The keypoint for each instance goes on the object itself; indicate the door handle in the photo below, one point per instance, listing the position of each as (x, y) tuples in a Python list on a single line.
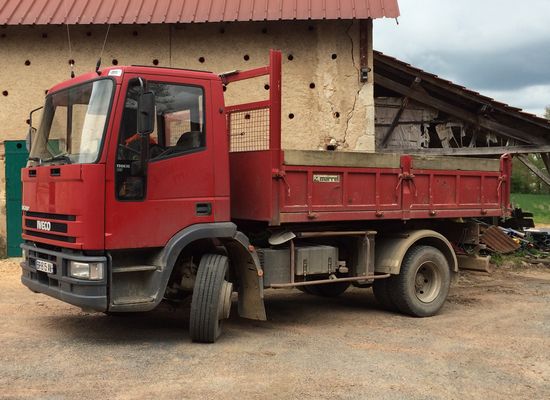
[(202, 209)]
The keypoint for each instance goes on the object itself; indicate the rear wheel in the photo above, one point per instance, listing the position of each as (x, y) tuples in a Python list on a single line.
[(422, 285), (327, 290), (211, 302)]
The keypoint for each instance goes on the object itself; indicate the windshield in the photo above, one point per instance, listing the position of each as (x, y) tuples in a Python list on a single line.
[(73, 123)]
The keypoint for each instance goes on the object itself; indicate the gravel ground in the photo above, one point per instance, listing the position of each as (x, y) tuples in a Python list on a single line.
[(491, 341)]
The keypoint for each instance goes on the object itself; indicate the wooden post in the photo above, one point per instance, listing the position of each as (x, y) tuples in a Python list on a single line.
[(365, 50)]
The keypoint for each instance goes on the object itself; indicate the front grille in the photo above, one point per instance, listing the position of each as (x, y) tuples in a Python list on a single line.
[(67, 239), (54, 226), (60, 217)]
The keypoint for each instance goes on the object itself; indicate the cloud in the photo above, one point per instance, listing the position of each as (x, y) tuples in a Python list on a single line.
[(533, 99), (511, 68), (497, 47)]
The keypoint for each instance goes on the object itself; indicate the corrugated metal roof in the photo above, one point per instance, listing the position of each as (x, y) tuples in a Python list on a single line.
[(498, 241), (44, 12)]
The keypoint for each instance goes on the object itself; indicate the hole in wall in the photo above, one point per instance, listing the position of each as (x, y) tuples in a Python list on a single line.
[(28, 121), (88, 33), (312, 85), (5, 93), (18, 145), (27, 62), (336, 114), (71, 62), (246, 57), (247, 116), (44, 35), (46, 91), (334, 56), (114, 61), (290, 57), (266, 86), (202, 59), (264, 30), (224, 88), (155, 62), (310, 28), (291, 116), (222, 30), (331, 147), (134, 33)]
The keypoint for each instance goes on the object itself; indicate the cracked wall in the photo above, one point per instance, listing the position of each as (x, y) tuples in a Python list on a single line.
[(324, 103)]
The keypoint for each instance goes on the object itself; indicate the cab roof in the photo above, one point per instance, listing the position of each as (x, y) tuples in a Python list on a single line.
[(117, 73)]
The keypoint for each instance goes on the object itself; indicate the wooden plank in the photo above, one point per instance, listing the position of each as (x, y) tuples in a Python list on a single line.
[(404, 104), (458, 112), (395, 121), (341, 159), (474, 263), (474, 151), (455, 163)]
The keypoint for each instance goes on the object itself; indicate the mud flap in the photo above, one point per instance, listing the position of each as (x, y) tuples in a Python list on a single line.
[(246, 265)]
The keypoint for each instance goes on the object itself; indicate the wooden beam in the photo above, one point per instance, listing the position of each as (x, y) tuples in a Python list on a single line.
[(365, 47), (474, 151), (404, 103), (543, 176), (474, 263), (455, 111), (546, 160)]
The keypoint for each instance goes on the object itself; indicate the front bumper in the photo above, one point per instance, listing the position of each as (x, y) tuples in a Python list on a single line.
[(79, 292)]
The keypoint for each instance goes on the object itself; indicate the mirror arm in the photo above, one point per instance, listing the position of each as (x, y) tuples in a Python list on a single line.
[(144, 158)]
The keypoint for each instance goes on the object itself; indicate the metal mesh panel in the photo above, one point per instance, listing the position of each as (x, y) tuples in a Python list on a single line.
[(249, 130)]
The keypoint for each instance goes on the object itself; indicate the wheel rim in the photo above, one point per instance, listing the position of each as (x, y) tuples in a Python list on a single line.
[(427, 282)]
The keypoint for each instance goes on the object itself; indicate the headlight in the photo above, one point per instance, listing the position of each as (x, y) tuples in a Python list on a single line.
[(90, 271)]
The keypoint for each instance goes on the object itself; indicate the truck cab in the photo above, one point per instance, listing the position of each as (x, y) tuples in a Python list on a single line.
[(97, 190)]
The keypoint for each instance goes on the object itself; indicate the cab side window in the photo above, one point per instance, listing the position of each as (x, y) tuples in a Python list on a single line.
[(179, 130)]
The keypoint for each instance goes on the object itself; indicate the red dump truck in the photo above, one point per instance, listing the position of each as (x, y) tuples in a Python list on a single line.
[(143, 185)]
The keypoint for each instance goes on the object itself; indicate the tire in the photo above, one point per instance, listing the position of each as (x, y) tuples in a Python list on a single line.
[(380, 288), (327, 290), (211, 300), (422, 286)]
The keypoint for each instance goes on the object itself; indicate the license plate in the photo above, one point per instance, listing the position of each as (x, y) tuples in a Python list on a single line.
[(44, 266)]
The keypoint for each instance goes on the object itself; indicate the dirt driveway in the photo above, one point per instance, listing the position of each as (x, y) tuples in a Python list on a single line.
[(491, 341)]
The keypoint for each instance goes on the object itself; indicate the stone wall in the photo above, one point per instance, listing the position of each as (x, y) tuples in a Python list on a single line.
[(323, 100)]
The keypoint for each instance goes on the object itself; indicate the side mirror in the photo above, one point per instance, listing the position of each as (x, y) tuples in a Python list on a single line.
[(146, 113), (28, 139)]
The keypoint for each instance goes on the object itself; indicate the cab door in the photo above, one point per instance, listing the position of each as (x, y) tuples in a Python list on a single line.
[(177, 188)]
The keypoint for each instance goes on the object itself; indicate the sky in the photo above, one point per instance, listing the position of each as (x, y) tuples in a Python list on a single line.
[(500, 48)]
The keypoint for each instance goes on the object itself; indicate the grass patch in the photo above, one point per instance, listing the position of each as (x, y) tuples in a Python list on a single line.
[(538, 204)]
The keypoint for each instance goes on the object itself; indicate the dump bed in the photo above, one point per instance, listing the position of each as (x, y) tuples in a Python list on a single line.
[(344, 186), (277, 187)]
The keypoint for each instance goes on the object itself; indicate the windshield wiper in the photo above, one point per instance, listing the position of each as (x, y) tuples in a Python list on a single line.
[(60, 157)]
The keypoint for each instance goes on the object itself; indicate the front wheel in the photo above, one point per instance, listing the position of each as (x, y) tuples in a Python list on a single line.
[(423, 283), (211, 302)]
